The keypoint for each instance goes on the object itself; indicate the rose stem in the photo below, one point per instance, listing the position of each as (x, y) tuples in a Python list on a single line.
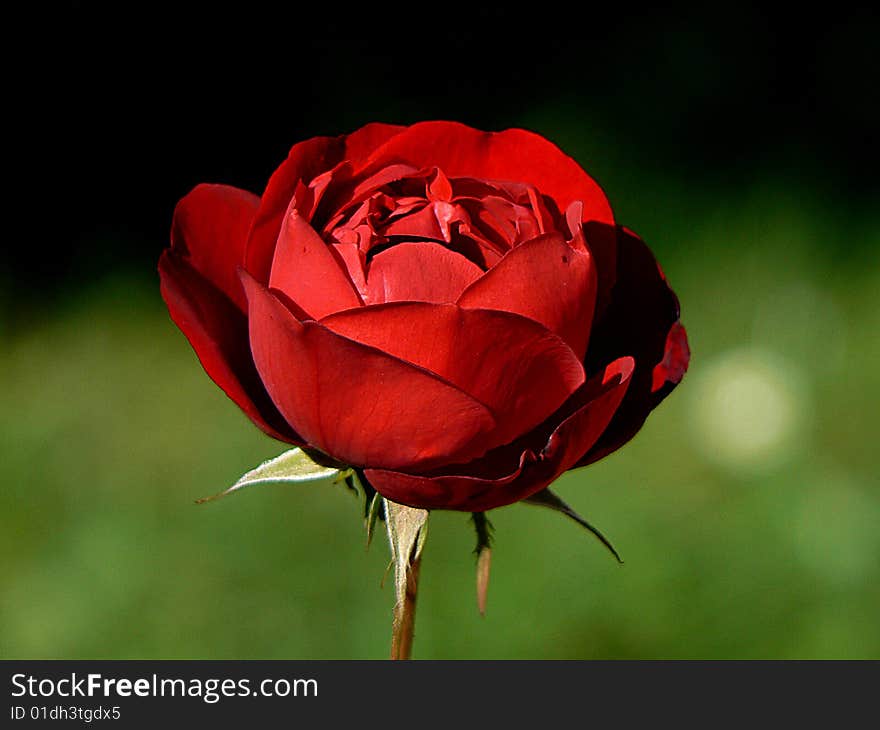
[(404, 623)]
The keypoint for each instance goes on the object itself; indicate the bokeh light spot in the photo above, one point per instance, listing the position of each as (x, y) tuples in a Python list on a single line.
[(749, 410)]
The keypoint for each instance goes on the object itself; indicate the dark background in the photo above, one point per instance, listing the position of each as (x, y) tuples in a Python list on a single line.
[(134, 105), (741, 144)]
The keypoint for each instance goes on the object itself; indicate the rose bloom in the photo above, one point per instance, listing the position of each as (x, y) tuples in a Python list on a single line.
[(452, 312)]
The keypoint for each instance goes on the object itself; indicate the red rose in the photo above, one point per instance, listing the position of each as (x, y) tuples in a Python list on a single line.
[(452, 311)]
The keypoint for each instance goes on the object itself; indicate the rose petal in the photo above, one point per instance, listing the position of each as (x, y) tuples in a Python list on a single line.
[(307, 198), (365, 188), (439, 189), (217, 331), (502, 220), (306, 160), (544, 279), (512, 155), (423, 272), (601, 239), (357, 404), (360, 144), (433, 221), (306, 270), (676, 355), (594, 405), (642, 321), (522, 372), (354, 260), (210, 229)]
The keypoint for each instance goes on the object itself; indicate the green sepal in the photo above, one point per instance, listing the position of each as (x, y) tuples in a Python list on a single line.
[(546, 498), (483, 551), (291, 467), (407, 529), (373, 513), (368, 490)]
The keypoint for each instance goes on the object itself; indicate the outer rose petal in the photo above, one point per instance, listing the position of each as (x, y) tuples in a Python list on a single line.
[(306, 161), (420, 272), (360, 144), (210, 229), (357, 404), (544, 279), (305, 269), (642, 321), (513, 155), (522, 372), (601, 239), (676, 356), (596, 401), (217, 331)]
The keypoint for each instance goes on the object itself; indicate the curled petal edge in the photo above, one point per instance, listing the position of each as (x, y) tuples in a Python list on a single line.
[(590, 410)]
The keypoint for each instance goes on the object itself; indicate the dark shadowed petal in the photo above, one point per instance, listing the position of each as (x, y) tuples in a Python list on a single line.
[(676, 356), (522, 372), (601, 239), (307, 272), (434, 221), (359, 190), (501, 220), (594, 404), (642, 321), (210, 229), (306, 161), (217, 331), (421, 272), (357, 404), (515, 155), (544, 279)]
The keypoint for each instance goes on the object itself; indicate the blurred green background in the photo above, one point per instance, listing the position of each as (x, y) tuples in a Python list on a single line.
[(747, 510)]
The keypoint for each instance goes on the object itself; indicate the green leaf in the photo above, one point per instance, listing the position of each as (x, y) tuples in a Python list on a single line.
[(291, 467)]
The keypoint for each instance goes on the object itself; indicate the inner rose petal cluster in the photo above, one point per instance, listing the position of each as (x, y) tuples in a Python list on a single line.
[(451, 311)]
